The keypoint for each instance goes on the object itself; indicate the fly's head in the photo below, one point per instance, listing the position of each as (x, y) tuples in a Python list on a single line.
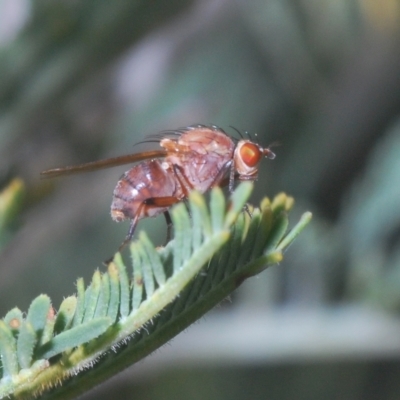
[(247, 157)]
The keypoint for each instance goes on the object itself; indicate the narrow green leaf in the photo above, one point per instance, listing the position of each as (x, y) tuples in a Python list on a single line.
[(65, 314), (261, 263), (104, 297), (193, 292), (137, 283), (263, 232), (37, 313), (26, 344), (278, 230), (207, 282), (113, 306), (231, 251), (279, 203), (80, 306), (88, 294), (148, 276), (75, 336), (182, 241), (187, 226), (250, 239), (236, 245), (10, 201), (166, 256), (222, 261), (179, 236), (106, 289), (217, 209), (48, 330), (153, 258), (197, 201), (197, 224), (228, 259), (8, 351), (291, 236), (92, 297), (282, 203), (238, 200), (13, 320), (124, 307)]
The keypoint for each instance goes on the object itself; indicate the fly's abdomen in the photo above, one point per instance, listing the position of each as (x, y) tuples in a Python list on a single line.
[(138, 187)]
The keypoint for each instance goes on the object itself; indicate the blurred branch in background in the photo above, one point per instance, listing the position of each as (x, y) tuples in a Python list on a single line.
[(84, 80)]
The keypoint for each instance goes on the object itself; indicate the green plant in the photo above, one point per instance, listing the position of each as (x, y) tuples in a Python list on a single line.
[(115, 321)]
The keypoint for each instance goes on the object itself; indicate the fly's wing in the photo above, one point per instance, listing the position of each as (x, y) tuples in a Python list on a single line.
[(174, 135), (102, 164)]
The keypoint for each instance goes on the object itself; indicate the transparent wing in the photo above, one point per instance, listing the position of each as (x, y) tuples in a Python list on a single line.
[(102, 164)]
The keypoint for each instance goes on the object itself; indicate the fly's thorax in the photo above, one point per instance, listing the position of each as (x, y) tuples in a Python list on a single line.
[(199, 156), (200, 141)]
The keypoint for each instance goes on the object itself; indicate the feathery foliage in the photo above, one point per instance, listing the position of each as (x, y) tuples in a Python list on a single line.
[(120, 317)]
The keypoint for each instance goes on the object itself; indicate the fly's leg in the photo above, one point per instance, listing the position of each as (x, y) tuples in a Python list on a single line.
[(246, 209), (150, 202), (131, 230), (222, 180), (186, 202), (167, 201), (168, 220), (129, 236), (186, 186), (231, 183), (231, 176)]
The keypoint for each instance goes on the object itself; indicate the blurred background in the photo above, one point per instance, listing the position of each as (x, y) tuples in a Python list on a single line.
[(85, 80)]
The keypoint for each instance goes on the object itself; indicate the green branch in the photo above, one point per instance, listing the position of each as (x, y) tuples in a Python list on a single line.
[(121, 317)]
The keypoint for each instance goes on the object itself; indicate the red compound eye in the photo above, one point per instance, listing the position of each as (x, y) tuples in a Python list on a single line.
[(250, 154)]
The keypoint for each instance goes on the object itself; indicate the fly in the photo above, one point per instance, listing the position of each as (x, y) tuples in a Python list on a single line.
[(197, 157)]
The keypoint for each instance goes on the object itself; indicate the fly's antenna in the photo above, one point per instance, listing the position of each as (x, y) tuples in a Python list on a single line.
[(275, 143), (268, 152)]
